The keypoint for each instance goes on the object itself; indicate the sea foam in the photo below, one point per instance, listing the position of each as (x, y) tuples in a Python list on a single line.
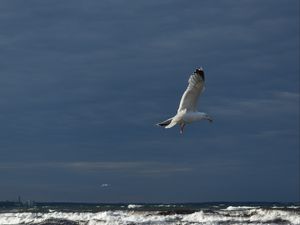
[(125, 217)]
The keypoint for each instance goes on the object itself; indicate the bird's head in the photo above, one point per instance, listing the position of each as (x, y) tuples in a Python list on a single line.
[(200, 72)]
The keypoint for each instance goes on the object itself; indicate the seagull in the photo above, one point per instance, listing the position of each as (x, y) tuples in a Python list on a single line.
[(187, 111)]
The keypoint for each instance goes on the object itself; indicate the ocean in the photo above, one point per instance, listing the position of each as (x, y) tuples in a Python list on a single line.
[(149, 214)]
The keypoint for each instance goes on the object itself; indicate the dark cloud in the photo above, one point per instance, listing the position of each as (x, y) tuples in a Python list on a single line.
[(85, 82)]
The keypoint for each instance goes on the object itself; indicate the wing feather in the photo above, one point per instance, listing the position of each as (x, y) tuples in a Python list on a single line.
[(190, 96)]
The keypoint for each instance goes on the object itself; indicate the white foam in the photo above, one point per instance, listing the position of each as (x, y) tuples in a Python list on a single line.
[(107, 217), (255, 216), (132, 206), (293, 207), (167, 206), (265, 215), (240, 207), (125, 217)]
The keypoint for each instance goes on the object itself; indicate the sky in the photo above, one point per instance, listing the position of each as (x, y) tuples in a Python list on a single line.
[(83, 83)]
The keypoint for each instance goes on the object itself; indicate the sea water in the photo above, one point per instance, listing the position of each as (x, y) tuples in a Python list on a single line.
[(150, 214)]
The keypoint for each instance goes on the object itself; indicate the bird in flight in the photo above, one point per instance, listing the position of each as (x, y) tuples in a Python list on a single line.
[(187, 111)]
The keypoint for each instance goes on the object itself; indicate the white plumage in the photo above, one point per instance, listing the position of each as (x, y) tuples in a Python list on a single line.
[(187, 110)]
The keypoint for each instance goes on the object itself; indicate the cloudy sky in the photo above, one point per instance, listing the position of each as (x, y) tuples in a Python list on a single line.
[(82, 84)]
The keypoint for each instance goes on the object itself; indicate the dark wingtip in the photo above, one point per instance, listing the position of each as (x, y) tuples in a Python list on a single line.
[(164, 123), (200, 72)]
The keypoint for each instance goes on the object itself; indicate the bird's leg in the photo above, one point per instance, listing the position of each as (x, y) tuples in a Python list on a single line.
[(182, 127)]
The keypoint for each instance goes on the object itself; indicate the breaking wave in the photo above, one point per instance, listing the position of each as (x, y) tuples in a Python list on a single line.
[(233, 215), (132, 206)]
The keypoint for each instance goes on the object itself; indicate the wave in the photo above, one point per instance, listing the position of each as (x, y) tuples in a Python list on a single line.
[(286, 207), (168, 206), (240, 207), (107, 217), (132, 206), (125, 217), (252, 216)]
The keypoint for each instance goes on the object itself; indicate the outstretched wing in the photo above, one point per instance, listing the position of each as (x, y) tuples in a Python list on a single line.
[(190, 96)]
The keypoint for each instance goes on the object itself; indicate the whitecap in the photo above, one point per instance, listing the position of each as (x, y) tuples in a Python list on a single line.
[(240, 207), (125, 217), (132, 206)]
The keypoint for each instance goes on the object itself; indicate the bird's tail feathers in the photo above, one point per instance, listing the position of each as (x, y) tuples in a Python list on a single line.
[(172, 124), (165, 123)]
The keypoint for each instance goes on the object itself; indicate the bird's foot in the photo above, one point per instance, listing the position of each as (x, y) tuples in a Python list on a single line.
[(181, 128)]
